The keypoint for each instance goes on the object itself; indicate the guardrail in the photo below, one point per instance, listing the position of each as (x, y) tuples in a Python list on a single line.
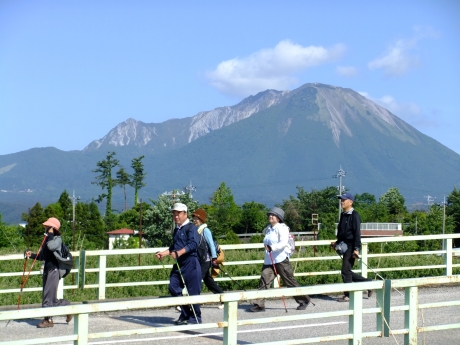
[(230, 323), (102, 269)]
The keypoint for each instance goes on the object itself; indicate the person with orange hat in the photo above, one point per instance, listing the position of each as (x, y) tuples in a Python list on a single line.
[(51, 274), (199, 219)]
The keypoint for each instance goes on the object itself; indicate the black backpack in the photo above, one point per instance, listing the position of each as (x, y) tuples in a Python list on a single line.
[(202, 250), (66, 260)]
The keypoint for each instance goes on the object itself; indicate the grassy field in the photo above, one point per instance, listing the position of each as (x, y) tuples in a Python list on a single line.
[(79, 295)]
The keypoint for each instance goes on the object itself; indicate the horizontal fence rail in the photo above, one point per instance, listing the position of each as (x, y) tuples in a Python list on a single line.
[(102, 270), (230, 322)]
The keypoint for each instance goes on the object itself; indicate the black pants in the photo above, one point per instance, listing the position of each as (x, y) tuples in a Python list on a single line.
[(348, 275), (191, 273), (284, 269), (207, 278)]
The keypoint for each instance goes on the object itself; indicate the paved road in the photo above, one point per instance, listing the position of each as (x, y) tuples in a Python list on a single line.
[(255, 333)]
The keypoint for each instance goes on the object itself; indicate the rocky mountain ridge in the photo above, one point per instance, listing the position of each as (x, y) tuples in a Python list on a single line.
[(333, 112)]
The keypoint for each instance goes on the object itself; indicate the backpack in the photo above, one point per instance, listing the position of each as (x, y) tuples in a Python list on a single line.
[(219, 252), (202, 250), (65, 260), (291, 244)]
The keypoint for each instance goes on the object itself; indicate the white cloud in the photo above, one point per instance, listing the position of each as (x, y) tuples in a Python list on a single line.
[(398, 60), (346, 71), (409, 112), (272, 68), (400, 56)]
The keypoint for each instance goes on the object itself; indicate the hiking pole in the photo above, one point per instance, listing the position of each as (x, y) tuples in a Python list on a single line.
[(28, 275), (22, 280), (232, 278), (276, 273), (378, 275), (183, 282)]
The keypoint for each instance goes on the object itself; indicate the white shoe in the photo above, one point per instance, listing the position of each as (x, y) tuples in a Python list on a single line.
[(220, 306), (178, 308)]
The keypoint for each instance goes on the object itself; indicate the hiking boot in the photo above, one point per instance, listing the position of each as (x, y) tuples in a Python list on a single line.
[(256, 309), (47, 322), (180, 322), (369, 293), (69, 318), (302, 306), (344, 299)]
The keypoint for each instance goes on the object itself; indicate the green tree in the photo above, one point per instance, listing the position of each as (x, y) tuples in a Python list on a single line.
[(223, 214), (453, 210), (393, 201), (123, 179), (105, 180), (299, 210), (253, 217), (138, 177), (66, 205), (34, 231), (10, 237), (90, 229), (157, 221)]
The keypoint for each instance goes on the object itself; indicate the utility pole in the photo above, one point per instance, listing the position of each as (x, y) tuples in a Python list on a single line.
[(73, 198), (190, 189), (341, 173)]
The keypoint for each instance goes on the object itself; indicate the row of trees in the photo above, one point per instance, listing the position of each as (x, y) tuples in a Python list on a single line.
[(226, 218)]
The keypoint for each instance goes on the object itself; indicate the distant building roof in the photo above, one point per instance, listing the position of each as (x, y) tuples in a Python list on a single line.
[(121, 232)]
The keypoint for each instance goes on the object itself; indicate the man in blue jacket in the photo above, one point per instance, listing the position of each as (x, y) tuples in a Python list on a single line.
[(187, 268), (349, 232)]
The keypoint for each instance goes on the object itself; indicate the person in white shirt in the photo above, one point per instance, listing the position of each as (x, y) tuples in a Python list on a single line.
[(277, 257)]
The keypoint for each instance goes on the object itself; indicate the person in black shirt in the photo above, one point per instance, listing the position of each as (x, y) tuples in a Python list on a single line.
[(349, 232), (51, 273)]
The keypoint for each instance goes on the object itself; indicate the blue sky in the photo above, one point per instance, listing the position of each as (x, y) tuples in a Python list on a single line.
[(70, 71)]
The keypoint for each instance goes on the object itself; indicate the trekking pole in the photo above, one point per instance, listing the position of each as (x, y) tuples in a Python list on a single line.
[(276, 273), (24, 281), (183, 282), (378, 275), (232, 278)]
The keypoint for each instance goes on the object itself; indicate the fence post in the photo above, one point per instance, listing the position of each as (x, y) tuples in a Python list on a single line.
[(380, 304), (231, 316), (82, 268), (386, 307), (60, 289), (80, 329), (411, 315), (77, 274), (101, 276), (447, 242), (355, 320)]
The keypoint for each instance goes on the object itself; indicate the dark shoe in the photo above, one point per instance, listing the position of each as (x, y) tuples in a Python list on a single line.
[(369, 293), (256, 309), (47, 322), (69, 318), (180, 322), (302, 306), (344, 299)]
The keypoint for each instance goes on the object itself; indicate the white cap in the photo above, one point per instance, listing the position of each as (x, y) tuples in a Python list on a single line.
[(179, 207)]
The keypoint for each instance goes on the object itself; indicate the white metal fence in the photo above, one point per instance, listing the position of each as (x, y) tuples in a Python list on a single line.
[(230, 324)]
